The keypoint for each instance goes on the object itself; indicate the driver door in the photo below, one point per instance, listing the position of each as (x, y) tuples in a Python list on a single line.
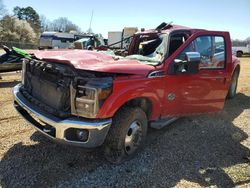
[(204, 91)]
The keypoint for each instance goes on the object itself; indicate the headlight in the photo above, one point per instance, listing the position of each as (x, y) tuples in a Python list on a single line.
[(87, 96), (24, 64), (85, 101)]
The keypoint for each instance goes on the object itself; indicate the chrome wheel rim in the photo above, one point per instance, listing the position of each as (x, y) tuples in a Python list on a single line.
[(133, 137)]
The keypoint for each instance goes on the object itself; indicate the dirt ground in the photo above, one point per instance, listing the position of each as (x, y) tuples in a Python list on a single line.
[(206, 150)]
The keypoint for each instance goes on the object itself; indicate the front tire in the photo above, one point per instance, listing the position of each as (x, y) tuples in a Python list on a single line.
[(127, 135), (233, 87)]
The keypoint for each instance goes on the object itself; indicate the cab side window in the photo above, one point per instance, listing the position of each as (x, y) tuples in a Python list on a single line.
[(176, 41), (189, 48), (211, 49)]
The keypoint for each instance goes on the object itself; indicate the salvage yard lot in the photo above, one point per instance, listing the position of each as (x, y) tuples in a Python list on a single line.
[(194, 151)]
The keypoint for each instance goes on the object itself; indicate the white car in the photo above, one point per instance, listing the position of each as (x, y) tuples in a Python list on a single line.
[(241, 50)]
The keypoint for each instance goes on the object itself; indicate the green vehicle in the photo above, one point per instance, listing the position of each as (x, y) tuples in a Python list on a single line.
[(12, 59)]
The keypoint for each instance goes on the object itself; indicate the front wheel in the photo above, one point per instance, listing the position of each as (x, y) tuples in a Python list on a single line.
[(233, 87), (127, 134)]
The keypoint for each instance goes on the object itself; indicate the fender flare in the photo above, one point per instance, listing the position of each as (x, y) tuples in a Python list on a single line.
[(115, 102)]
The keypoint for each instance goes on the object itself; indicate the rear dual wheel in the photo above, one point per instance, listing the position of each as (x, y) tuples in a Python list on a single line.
[(127, 134)]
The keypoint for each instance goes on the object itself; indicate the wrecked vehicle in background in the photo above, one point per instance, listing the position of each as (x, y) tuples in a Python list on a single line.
[(89, 42), (90, 98), (53, 39), (11, 60)]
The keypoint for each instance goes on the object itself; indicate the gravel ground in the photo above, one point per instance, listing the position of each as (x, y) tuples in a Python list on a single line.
[(205, 150)]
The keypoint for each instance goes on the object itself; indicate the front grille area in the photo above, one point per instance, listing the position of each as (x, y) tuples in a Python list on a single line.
[(47, 85)]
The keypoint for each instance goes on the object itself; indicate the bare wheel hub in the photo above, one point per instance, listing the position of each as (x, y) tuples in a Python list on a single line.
[(133, 137)]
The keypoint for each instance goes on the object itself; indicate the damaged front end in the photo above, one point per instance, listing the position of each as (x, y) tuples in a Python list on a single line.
[(62, 102), (64, 91)]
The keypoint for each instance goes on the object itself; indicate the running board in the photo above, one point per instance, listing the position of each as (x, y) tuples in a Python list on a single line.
[(162, 123)]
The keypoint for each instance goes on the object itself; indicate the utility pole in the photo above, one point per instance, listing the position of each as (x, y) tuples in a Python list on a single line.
[(90, 23)]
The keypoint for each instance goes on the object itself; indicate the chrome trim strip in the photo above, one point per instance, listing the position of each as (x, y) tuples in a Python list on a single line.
[(155, 74)]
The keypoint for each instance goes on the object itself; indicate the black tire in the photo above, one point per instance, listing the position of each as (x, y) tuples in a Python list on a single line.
[(90, 48), (233, 87), (116, 150), (239, 54)]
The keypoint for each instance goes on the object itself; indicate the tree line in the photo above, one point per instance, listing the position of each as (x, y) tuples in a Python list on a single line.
[(241, 42), (25, 25)]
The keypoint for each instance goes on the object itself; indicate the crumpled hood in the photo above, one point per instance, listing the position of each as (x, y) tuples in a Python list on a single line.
[(94, 61)]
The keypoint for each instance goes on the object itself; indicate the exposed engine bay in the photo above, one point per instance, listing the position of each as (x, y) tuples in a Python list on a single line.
[(63, 91)]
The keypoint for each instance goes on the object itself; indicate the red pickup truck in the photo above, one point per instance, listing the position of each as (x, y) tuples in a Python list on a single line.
[(93, 98)]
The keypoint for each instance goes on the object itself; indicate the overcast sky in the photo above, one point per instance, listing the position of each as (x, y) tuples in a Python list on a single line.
[(227, 15)]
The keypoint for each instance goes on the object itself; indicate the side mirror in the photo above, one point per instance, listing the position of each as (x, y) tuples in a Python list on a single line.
[(193, 57), (193, 61), (188, 66)]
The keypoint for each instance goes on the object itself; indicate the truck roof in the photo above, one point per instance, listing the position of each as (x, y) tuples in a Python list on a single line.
[(170, 28), (54, 33)]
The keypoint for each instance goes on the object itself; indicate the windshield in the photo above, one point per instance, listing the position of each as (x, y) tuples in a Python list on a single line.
[(150, 49), (86, 41), (46, 38)]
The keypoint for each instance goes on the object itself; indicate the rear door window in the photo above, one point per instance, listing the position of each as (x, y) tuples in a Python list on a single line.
[(219, 56)]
